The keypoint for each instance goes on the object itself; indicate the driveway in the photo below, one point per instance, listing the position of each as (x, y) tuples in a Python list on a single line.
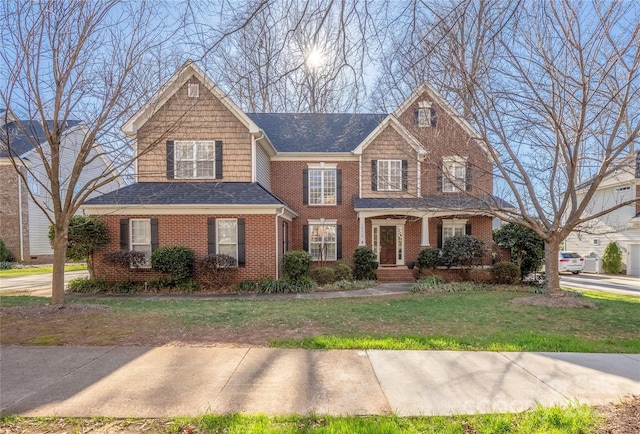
[(36, 284), (596, 282)]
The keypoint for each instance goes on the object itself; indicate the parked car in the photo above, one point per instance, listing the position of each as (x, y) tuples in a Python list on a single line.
[(570, 261)]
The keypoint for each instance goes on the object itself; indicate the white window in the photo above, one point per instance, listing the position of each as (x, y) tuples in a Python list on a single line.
[(389, 175), (453, 228), (195, 159), (227, 237), (454, 172), (140, 236), (322, 242), (426, 115), (32, 182), (322, 187)]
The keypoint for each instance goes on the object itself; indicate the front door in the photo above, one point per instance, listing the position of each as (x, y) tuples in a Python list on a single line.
[(387, 245)]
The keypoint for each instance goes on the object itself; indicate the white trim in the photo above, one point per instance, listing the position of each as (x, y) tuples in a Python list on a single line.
[(322, 221), (322, 166), (388, 175), (392, 121), (399, 224), (254, 168), (188, 210), (424, 239), (147, 264), (235, 220), (176, 81), (20, 222)]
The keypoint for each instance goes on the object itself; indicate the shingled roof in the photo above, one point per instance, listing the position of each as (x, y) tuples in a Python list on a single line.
[(316, 132), (431, 202), (188, 193), (25, 135)]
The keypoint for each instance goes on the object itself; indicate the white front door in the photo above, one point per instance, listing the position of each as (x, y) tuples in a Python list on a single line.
[(633, 265)]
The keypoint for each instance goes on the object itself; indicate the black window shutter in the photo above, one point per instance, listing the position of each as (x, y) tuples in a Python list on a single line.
[(439, 178), (434, 117), (124, 234), (374, 175), (305, 238), (218, 152), (439, 235), (338, 186), (170, 159), (405, 175), (154, 234), (468, 179), (416, 116), (339, 242), (241, 244), (467, 229), (211, 236), (305, 186)]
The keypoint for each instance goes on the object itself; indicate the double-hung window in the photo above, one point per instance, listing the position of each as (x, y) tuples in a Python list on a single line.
[(426, 115), (227, 237), (323, 242), (195, 159), (454, 172), (140, 238), (389, 175), (453, 228), (322, 186)]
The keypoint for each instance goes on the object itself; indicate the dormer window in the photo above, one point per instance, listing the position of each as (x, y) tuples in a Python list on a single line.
[(426, 115)]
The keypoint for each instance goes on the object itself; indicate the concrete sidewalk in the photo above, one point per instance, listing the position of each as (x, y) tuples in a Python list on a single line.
[(167, 381)]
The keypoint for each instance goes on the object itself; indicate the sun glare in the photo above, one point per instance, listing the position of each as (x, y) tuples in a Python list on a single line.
[(315, 58)]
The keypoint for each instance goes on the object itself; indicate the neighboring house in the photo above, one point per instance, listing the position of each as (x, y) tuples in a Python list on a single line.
[(257, 185), (622, 226), (24, 227)]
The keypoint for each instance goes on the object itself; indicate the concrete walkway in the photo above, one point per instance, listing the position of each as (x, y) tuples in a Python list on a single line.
[(157, 382)]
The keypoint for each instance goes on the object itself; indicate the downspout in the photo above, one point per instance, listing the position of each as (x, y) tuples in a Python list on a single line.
[(278, 244), (20, 223)]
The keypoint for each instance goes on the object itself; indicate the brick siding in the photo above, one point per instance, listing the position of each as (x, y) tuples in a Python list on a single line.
[(10, 212)]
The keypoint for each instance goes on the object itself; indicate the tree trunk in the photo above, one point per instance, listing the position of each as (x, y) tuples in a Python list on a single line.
[(90, 265), (59, 259), (552, 278)]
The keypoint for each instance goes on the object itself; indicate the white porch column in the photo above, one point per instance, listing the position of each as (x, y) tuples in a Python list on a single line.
[(424, 242), (362, 241)]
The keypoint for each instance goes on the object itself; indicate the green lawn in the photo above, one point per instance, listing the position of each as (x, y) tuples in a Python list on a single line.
[(576, 419), (474, 320), (14, 272)]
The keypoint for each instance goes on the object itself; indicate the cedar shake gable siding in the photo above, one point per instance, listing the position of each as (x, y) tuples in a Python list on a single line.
[(202, 118)]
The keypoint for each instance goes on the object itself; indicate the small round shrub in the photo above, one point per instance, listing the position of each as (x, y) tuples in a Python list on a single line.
[(126, 258), (5, 254), (480, 275), (612, 259), (305, 284), (428, 258), (342, 271), (296, 264), (177, 261), (322, 275), (506, 273), (217, 272), (364, 264), (6, 265), (84, 285)]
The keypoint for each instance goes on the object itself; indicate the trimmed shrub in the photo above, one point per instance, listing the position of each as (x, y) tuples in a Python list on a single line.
[(84, 285), (463, 250), (506, 273), (177, 261), (5, 265), (481, 275), (428, 258), (364, 264), (126, 258), (217, 271), (342, 271), (5, 254), (322, 275), (304, 284), (612, 259), (296, 264)]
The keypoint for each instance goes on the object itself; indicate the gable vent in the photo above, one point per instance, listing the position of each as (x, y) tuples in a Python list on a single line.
[(194, 90)]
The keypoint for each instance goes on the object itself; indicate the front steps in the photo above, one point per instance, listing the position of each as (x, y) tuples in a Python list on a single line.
[(395, 274)]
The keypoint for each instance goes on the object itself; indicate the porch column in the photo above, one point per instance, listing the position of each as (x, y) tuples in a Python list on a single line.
[(361, 238), (424, 241)]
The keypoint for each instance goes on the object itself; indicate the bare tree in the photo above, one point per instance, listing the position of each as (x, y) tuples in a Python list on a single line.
[(67, 61)]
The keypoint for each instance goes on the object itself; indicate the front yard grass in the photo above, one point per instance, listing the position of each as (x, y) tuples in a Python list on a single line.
[(474, 320), (27, 271)]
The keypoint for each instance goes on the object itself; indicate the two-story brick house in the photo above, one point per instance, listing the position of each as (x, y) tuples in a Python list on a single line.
[(255, 185)]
